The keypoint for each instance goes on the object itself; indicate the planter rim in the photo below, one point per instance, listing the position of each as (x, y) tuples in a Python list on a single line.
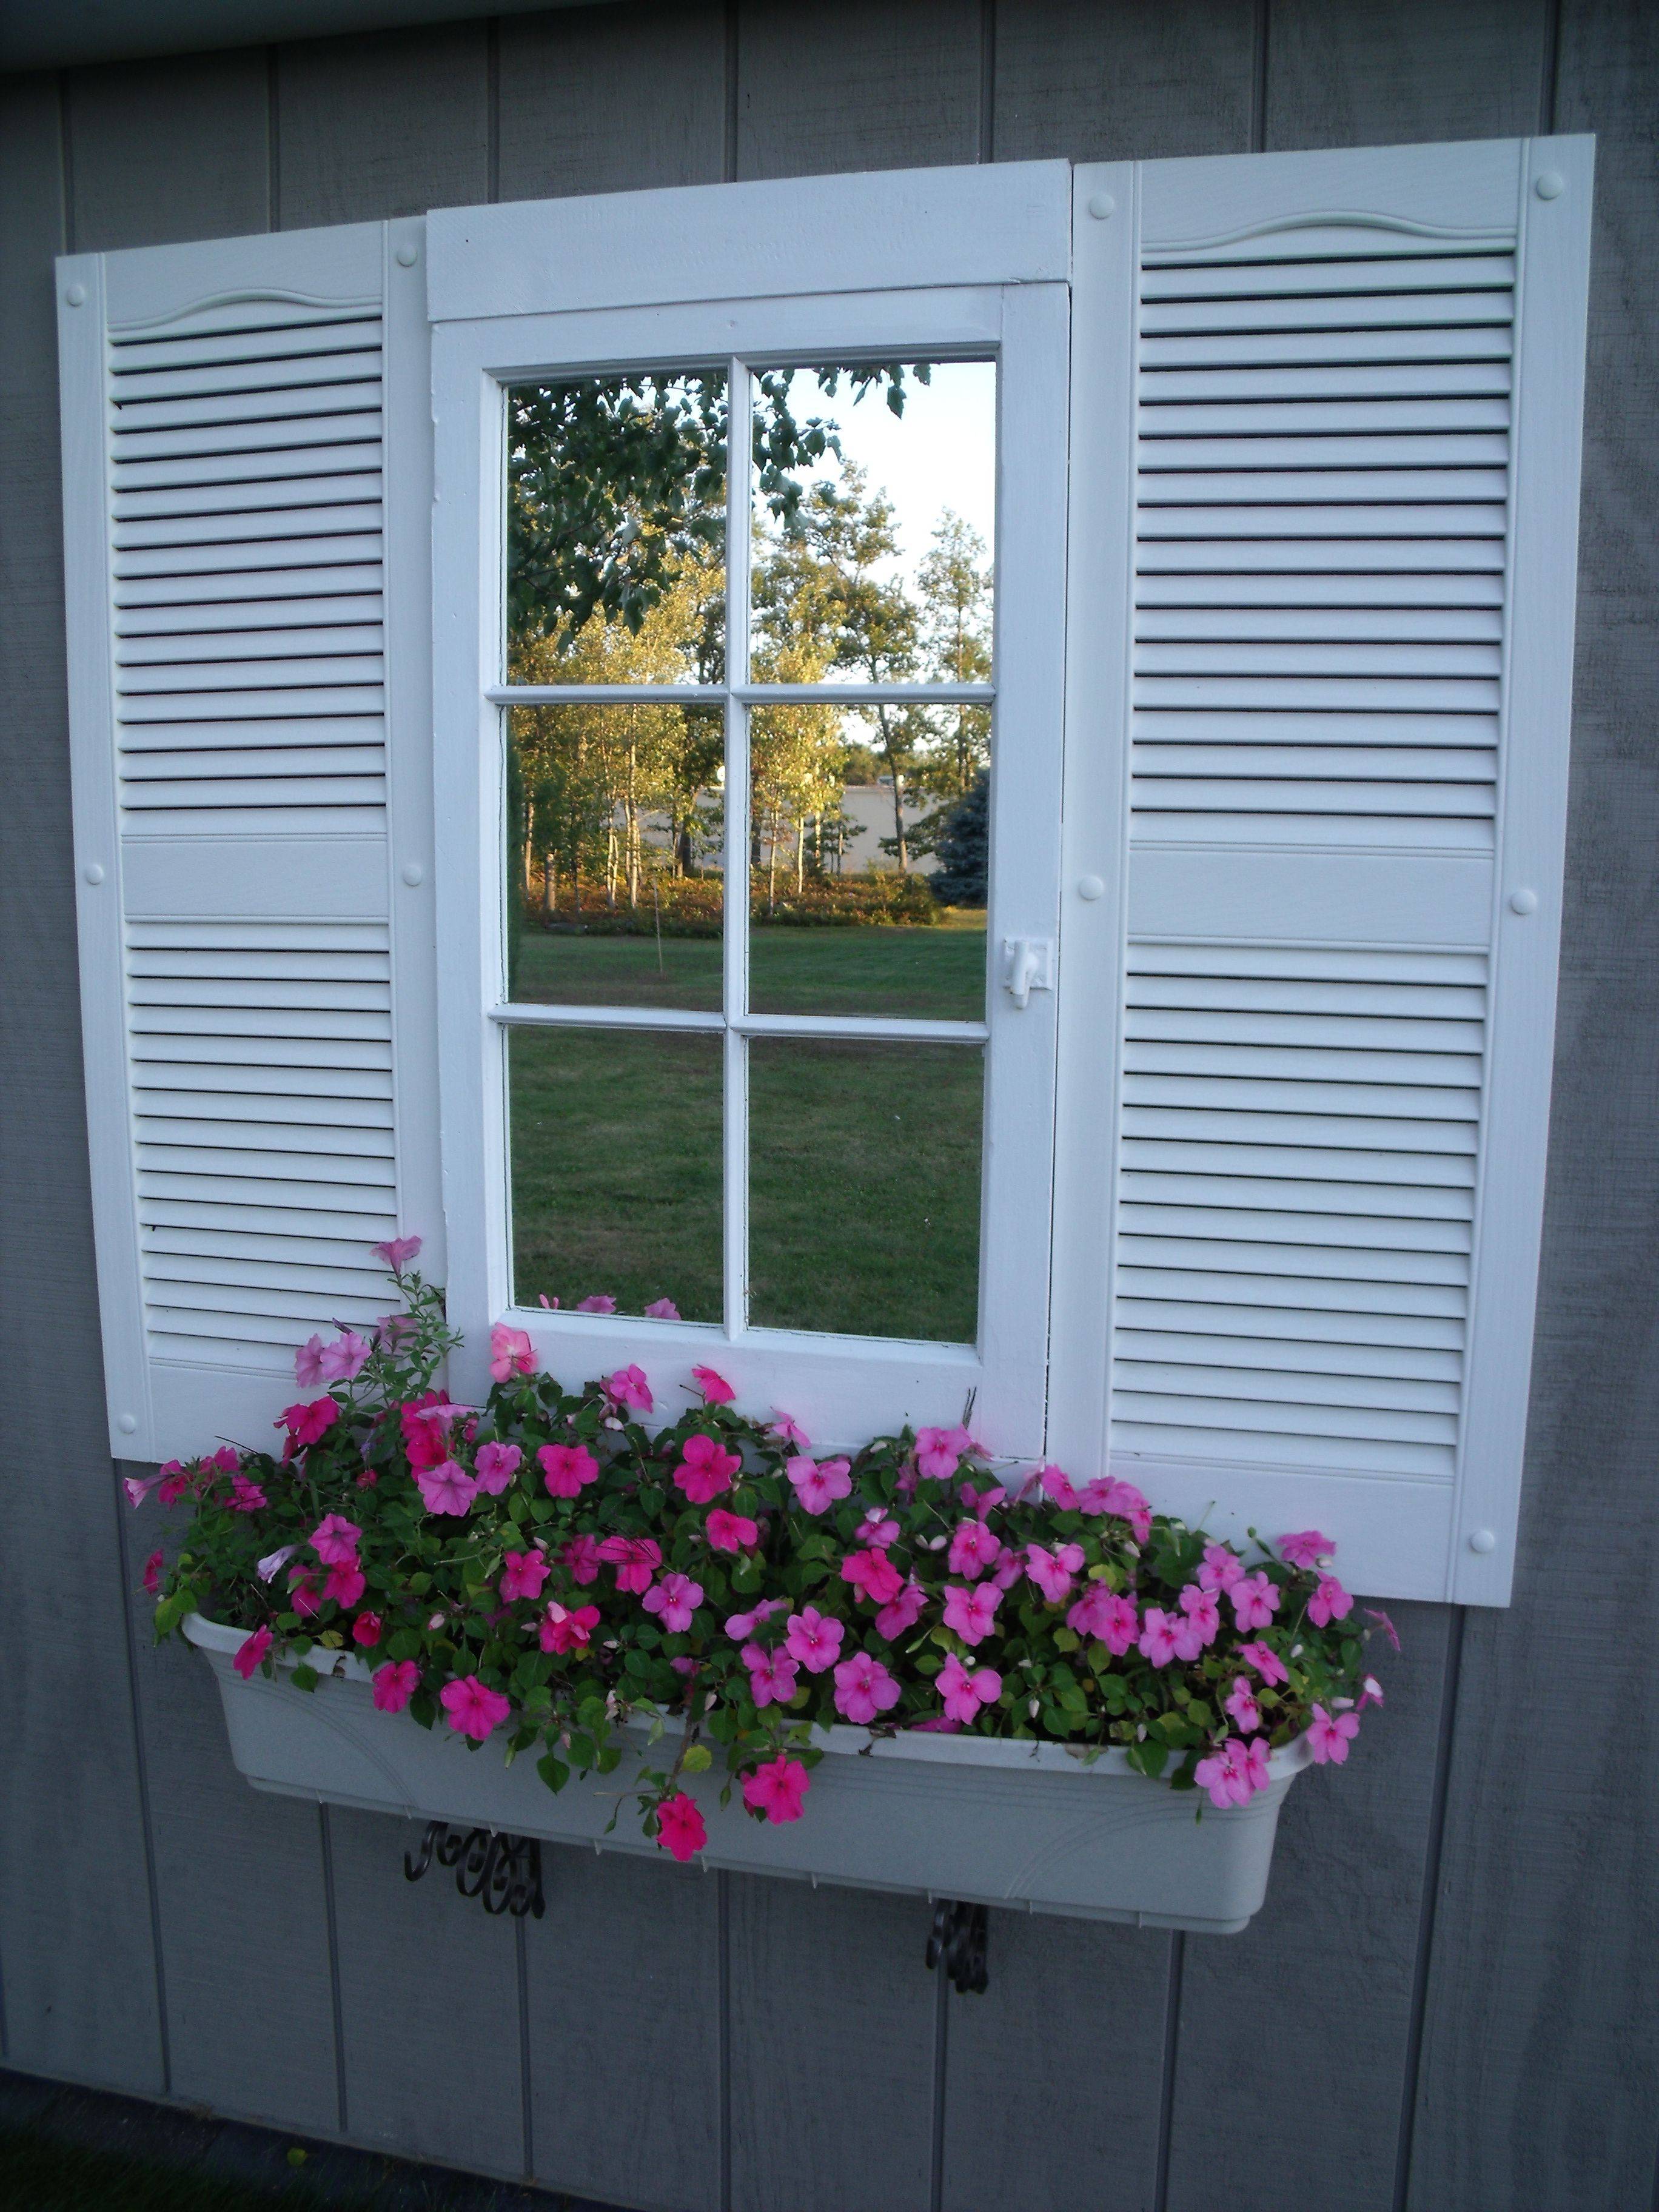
[(910, 1744)]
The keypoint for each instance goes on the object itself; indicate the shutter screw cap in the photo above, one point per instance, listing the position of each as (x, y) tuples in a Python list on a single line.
[(1483, 1541), (1091, 887), (1523, 902), (127, 1423), (414, 873), (1101, 204), (76, 295), (406, 257), (93, 872), (1551, 184)]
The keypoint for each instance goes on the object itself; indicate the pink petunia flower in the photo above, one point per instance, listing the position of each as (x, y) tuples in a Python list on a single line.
[(511, 1352), (1328, 1736), (599, 1302), (398, 1252), (1306, 1547), (1266, 1661), (335, 1539), (964, 1690), (974, 1548), (273, 1561), (1256, 1601), (1053, 1572), (819, 1483), (308, 1364), (138, 1488), (1161, 1635), (744, 1625), (772, 1674), (662, 1310), (864, 1688), (1106, 1617), (172, 1483), (1242, 1704), (971, 1612), (673, 1599), (628, 1387), (581, 1555), (523, 1574), (813, 1639), (567, 1628), (426, 1431), (635, 1558), (680, 1831), (873, 1573), (1385, 1624), (447, 1488), (474, 1709), (345, 1360), (395, 1684), (345, 1584), (153, 1574), (567, 1469), (366, 1630), (249, 1654), (495, 1467), (901, 1613), (1203, 1614), (1221, 1569), (706, 1469), (1329, 1602), (789, 1431), (938, 1452), (303, 1593), (306, 1425), (246, 1496), (716, 1390), (777, 1787), (731, 1532), (224, 1461)]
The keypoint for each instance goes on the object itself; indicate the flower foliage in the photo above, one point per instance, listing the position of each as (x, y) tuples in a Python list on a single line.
[(552, 1566)]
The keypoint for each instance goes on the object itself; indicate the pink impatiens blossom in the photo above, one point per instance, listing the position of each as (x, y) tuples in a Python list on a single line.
[(673, 1599), (395, 1684), (153, 1572), (744, 1625), (1385, 1624), (1370, 1693), (964, 1690), (345, 1584), (567, 1469), (901, 1613), (474, 1709), (814, 1640), (1221, 1569), (345, 1360), (974, 1548), (1254, 1600), (1233, 1773), (731, 1532), (789, 1431), (447, 1488), (398, 1252), (1122, 1499), (819, 1483), (1242, 1704), (680, 1830), (581, 1556), (1329, 1602), (971, 1612), (878, 1528), (864, 1688), (628, 1387), (1329, 1737), (716, 1390), (1106, 1617), (706, 1469), (1266, 1661), (495, 1467), (511, 1352), (246, 1496), (777, 1787), (308, 1364), (248, 1654), (662, 1310), (938, 1452), (1056, 1487), (1203, 1615), (873, 1573), (598, 1301), (1306, 1547), (568, 1628), (635, 1558), (366, 1630), (772, 1675), (523, 1574), (1161, 1635), (335, 1541), (1053, 1572)]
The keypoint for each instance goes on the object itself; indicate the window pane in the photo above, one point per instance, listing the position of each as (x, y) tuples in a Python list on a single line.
[(616, 529), (864, 1189), (616, 1152), (613, 878)]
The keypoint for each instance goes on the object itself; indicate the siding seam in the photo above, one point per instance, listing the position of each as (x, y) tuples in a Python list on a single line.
[(1259, 80), (273, 145), (1171, 2053), (335, 2000), (941, 2062), (987, 80), (723, 1928), (493, 107), (1550, 72), (141, 1765), (527, 2107)]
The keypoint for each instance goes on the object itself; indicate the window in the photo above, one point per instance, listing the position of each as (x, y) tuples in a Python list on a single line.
[(492, 687)]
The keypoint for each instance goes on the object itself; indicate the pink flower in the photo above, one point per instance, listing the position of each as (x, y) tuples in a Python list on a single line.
[(705, 1470), (673, 1599), (1385, 1624), (938, 1452), (973, 1548), (1242, 1704), (474, 1709), (903, 1613), (1053, 1571), (1203, 1615), (582, 1555), (1266, 1661), (366, 1629), (731, 1532), (940, 1725), (635, 1558), (395, 1684), (1306, 1547), (447, 1488), (335, 1541), (249, 1654), (982, 1503), (771, 1675), (873, 1573), (1161, 1635), (306, 1425), (173, 1484), (743, 1624), (426, 1431), (511, 1352), (864, 1688), (390, 1329), (1328, 1738), (1256, 1601), (566, 1629), (599, 1302), (1120, 1499), (628, 1387), (878, 1528), (1233, 1773), (308, 1364), (138, 1489), (497, 1464), (818, 1484), (812, 1639), (716, 1390), (345, 1584), (1370, 1693), (303, 1594), (224, 1461), (1056, 1487), (246, 1496), (1330, 1601), (971, 1612), (789, 1431), (567, 1469), (662, 1310), (964, 1689), (153, 1574), (1106, 1617), (523, 1574), (1221, 1569), (267, 1567), (398, 1252), (345, 1360), (680, 1830), (776, 1788)]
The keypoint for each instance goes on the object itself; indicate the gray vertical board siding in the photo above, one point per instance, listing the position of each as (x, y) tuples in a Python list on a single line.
[(1539, 2081), (1053, 2081), (76, 1955), (832, 2049), (166, 151), (825, 85), (389, 124), (612, 100), (1397, 72), (1138, 80), (624, 1992), (428, 2002)]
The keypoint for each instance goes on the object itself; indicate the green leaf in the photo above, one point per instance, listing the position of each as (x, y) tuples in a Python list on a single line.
[(698, 1758), (306, 1678), (553, 1771)]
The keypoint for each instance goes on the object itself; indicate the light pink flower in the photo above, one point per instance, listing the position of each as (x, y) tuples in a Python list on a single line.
[(581, 1555), (731, 1532), (964, 1690), (635, 1558), (395, 1684), (901, 1613), (1053, 1572), (812, 1639), (872, 1572), (819, 1483), (473, 1707), (673, 1599), (398, 1252), (743, 1624), (246, 1496), (864, 1688), (1120, 1499), (789, 1431), (1203, 1614), (938, 1452), (497, 1464), (1106, 1617), (973, 1548), (776, 1788), (308, 1364), (1306, 1547), (1161, 1635), (1233, 1773), (1329, 1602), (772, 1674), (1256, 1601), (345, 1360), (599, 1302), (1385, 1624), (523, 1574), (152, 1577), (878, 1528), (1221, 1569), (706, 1469), (565, 1628), (335, 1540), (1370, 1693), (138, 1488), (982, 1503), (511, 1352), (1242, 1704), (1266, 1661), (971, 1612), (1056, 1487), (366, 1630), (680, 1831), (274, 1561), (345, 1584), (447, 1488), (1329, 1737), (716, 1390), (249, 1654), (662, 1310), (567, 1469), (628, 1387)]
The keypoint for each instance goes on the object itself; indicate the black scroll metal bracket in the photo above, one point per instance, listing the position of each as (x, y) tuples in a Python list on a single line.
[(959, 1939), (503, 1872)]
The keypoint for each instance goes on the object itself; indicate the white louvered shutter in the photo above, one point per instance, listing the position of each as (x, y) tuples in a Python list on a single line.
[(247, 474), (1348, 389)]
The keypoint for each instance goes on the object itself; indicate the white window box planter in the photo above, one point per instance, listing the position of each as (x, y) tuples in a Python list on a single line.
[(1026, 1826)]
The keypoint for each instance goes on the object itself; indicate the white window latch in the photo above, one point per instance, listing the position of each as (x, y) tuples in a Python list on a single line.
[(1028, 966)]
